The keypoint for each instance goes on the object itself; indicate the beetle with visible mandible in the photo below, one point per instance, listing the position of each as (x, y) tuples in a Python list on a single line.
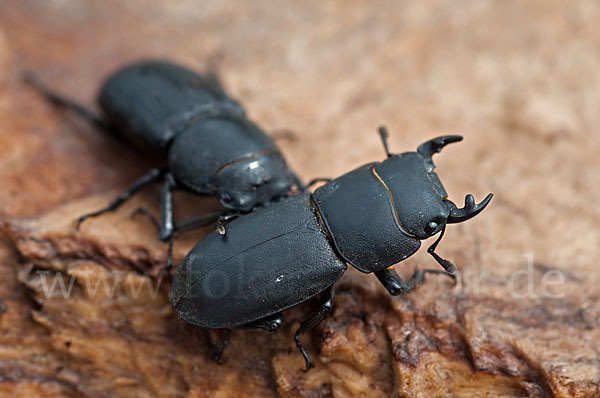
[(282, 255)]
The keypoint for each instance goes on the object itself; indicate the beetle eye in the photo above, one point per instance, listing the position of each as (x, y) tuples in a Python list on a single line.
[(226, 198), (431, 227)]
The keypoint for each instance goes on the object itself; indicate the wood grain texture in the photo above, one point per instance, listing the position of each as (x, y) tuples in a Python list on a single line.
[(518, 80)]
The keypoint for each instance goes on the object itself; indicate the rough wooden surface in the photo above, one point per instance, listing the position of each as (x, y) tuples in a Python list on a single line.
[(518, 79)]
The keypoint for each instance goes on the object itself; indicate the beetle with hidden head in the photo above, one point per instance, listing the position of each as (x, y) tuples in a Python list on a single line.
[(291, 251), (209, 145)]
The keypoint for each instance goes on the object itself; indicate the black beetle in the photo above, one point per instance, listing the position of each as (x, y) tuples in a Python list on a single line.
[(208, 143), (282, 255)]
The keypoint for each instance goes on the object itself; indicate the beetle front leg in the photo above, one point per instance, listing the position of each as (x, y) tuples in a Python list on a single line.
[(146, 179), (395, 285)]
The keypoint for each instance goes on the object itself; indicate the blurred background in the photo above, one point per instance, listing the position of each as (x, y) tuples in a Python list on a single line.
[(519, 80)]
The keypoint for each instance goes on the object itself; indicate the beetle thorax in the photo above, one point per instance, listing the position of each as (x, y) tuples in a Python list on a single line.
[(377, 214), (199, 153)]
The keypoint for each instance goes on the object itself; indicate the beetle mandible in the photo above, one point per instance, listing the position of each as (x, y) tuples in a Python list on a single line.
[(282, 255), (209, 145)]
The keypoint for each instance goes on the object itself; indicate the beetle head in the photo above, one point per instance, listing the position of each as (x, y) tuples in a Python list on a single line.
[(420, 200), (417, 195), (255, 181)]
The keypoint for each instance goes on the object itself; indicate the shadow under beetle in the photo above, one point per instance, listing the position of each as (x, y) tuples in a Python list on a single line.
[(282, 255), (209, 145)]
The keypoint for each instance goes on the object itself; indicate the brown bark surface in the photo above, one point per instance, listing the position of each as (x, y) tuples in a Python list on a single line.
[(518, 79)]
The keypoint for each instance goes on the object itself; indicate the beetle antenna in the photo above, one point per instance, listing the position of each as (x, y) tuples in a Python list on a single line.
[(447, 265), (384, 136)]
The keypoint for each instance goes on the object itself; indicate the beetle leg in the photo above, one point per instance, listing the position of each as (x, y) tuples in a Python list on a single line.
[(447, 265), (217, 356), (170, 253), (219, 227), (167, 227), (146, 212), (270, 324), (63, 102), (191, 223), (395, 285), (311, 322), (141, 210), (198, 221), (146, 179)]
